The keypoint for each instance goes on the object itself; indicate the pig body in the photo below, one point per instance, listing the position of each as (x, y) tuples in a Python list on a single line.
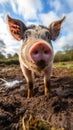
[(36, 51)]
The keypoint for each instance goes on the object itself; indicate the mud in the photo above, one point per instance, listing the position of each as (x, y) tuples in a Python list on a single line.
[(56, 108)]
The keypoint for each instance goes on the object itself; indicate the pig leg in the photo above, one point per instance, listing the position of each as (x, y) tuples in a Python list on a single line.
[(47, 81), (46, 86), (28, 76)]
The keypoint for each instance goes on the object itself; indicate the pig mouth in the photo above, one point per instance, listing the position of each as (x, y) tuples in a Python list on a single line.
[(41, 64)]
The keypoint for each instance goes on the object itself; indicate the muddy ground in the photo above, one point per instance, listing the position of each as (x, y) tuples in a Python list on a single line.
[(56, 108)]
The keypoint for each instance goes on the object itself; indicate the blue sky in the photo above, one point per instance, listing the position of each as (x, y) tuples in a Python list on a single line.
[(37, 12)]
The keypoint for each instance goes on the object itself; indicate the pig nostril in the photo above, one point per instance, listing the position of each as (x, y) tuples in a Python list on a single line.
[(36, 52), (46, 52)]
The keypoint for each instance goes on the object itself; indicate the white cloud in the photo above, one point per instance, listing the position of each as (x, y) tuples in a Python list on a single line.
[(46, 19), (27, 9), (56, 4), (6, 36), (68, 39), (12, 49), (31, 10), (67, 32), (68, 25), (4, 32), (13, 5), (3, 1), (61, 6), (69, 4)]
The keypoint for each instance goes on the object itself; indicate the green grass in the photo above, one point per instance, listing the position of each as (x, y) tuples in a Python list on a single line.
[(9, 61), (68, 65), (14, 60)]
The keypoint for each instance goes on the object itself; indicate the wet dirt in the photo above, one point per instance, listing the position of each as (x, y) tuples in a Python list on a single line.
[(56, 108)]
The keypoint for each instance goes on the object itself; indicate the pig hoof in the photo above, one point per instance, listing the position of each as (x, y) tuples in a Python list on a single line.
[(29, 96), (30, 93), (46, 94), (46, 91)]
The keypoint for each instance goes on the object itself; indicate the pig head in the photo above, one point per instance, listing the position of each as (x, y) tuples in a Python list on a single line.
[(36, 51)]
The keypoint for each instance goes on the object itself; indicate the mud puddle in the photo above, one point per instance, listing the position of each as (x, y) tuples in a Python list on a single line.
[(56, 108)]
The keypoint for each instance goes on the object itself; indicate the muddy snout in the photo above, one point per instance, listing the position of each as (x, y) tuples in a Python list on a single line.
[(41, 64), (40, 53)]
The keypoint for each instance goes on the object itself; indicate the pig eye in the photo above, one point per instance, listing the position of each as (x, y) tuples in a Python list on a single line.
[(47, 35), (27, 35)]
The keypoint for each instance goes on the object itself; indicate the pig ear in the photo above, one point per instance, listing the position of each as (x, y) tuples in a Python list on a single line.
[(17, 28), (55, 28)]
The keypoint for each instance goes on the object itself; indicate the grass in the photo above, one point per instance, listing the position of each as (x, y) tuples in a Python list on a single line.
[(9, 61), (14, 60), (67, 65), (35, 123)]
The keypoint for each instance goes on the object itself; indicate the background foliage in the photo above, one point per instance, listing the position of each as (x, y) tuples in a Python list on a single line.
[(65, 55)]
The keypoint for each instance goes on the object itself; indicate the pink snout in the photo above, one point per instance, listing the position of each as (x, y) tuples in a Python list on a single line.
[(40, 51)]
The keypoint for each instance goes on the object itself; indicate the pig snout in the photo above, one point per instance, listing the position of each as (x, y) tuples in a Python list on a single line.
[(40, 53)]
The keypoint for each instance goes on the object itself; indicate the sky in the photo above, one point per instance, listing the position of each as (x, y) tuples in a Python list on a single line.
[(37, 12)]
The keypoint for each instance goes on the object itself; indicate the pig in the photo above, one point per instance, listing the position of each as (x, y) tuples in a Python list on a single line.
[(36, 52)]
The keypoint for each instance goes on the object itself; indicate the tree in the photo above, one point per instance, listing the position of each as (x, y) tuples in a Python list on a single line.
[(1, 56), (2, 47), (15, 55), (65, 55), (58, 56), (9, 55), (67, 48)]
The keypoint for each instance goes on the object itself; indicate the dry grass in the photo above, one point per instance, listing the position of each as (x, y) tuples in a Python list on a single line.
[(37, 123)]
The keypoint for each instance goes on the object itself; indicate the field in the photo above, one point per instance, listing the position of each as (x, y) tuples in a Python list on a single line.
[(51, 112)]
